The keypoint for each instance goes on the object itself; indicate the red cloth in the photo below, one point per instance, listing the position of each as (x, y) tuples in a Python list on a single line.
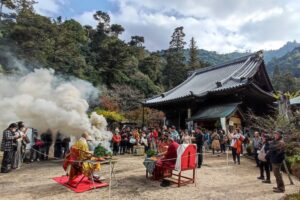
[(162, 166), (83, 186), (171, 153), (116, 139)]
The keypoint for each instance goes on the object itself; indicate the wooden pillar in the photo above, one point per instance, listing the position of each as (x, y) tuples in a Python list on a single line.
[(143, 118), (189, 123), (178, 120)]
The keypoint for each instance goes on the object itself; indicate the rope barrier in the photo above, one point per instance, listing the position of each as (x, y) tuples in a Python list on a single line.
[(60, 159)]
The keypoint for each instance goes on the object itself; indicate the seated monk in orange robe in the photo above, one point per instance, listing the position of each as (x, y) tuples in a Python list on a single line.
[(79, 152), (168, 160)]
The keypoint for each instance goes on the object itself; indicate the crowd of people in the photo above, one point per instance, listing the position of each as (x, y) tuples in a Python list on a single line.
[(23, 144), (155, 139), (20, 143), (268, 153)]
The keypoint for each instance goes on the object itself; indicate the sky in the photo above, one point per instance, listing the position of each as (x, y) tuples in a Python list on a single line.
[(217, 25)]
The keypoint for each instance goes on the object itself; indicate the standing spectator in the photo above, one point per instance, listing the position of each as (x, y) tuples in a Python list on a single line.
[(37, 147), (116, 141), (242, 138), (236, 146), (124, 141), (276, 155), (66, 146), (199, 143), (186, 139), (47, 140), (58, 145), (223, 141), (136, 135), (207, 139), (7, 146), (215, 145), (153, 137), (257, 142), (264, 162), (28, 142), (129, 135), (132, 141), (144, 141), (16, 159), (174, 134)]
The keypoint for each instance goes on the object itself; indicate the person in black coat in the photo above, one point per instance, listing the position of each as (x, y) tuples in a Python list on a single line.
[(47, 139), (276, 155), (199, 143)]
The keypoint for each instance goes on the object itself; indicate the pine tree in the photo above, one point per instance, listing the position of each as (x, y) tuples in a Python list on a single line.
[(7, 4), (177, 43), (194, 62), (175, 71), (116, 30), (276, 80), (24, 5)]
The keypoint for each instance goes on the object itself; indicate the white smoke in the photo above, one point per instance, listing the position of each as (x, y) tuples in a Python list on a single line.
[(44, 101)]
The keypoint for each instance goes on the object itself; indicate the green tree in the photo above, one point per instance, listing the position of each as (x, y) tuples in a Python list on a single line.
[(69, 38), (153, 66), (194, 61), (9, 4), (137, 41), (24, 6), (284, 81), (276, 78), (33, 37), (112, 61), (175, 70), (116, 29), (103, 21)]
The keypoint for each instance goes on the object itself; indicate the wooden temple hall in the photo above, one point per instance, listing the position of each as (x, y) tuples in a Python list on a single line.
[(218, 96)]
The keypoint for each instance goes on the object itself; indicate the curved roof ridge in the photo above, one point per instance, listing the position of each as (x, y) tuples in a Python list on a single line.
[(229, 62)]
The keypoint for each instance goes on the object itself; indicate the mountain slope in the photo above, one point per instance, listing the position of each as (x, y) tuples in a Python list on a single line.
[(290, 62), (288, 47)]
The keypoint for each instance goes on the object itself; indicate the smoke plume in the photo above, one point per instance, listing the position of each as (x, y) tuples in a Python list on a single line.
[(44, 101)]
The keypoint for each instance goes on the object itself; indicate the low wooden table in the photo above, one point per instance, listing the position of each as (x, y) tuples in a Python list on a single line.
[(111, 162)]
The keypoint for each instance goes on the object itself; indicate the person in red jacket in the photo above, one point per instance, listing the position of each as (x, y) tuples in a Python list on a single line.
[(153, 139), (116, 141)]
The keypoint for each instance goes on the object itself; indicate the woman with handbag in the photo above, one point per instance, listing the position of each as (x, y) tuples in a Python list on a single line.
[(264, 162), (236, 146)]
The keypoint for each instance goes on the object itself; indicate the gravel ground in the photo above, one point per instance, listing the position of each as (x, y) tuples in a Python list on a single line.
[(215, 181)]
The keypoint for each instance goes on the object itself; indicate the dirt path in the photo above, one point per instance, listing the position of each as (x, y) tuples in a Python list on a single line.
[(215, 181)]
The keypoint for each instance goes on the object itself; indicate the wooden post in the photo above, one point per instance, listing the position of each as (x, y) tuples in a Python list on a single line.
[(109, 189)]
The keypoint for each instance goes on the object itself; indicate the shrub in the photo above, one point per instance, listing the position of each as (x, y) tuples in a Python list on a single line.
[(110, 115), (293, 163)]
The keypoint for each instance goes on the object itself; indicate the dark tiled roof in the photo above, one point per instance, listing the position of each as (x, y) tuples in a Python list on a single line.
[(215, 112), (226, 76)]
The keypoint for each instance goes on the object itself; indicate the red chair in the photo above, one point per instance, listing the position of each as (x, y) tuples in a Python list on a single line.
[(188, 162)]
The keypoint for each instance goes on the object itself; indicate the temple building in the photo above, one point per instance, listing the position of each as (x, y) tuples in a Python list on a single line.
[(218, 96)]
